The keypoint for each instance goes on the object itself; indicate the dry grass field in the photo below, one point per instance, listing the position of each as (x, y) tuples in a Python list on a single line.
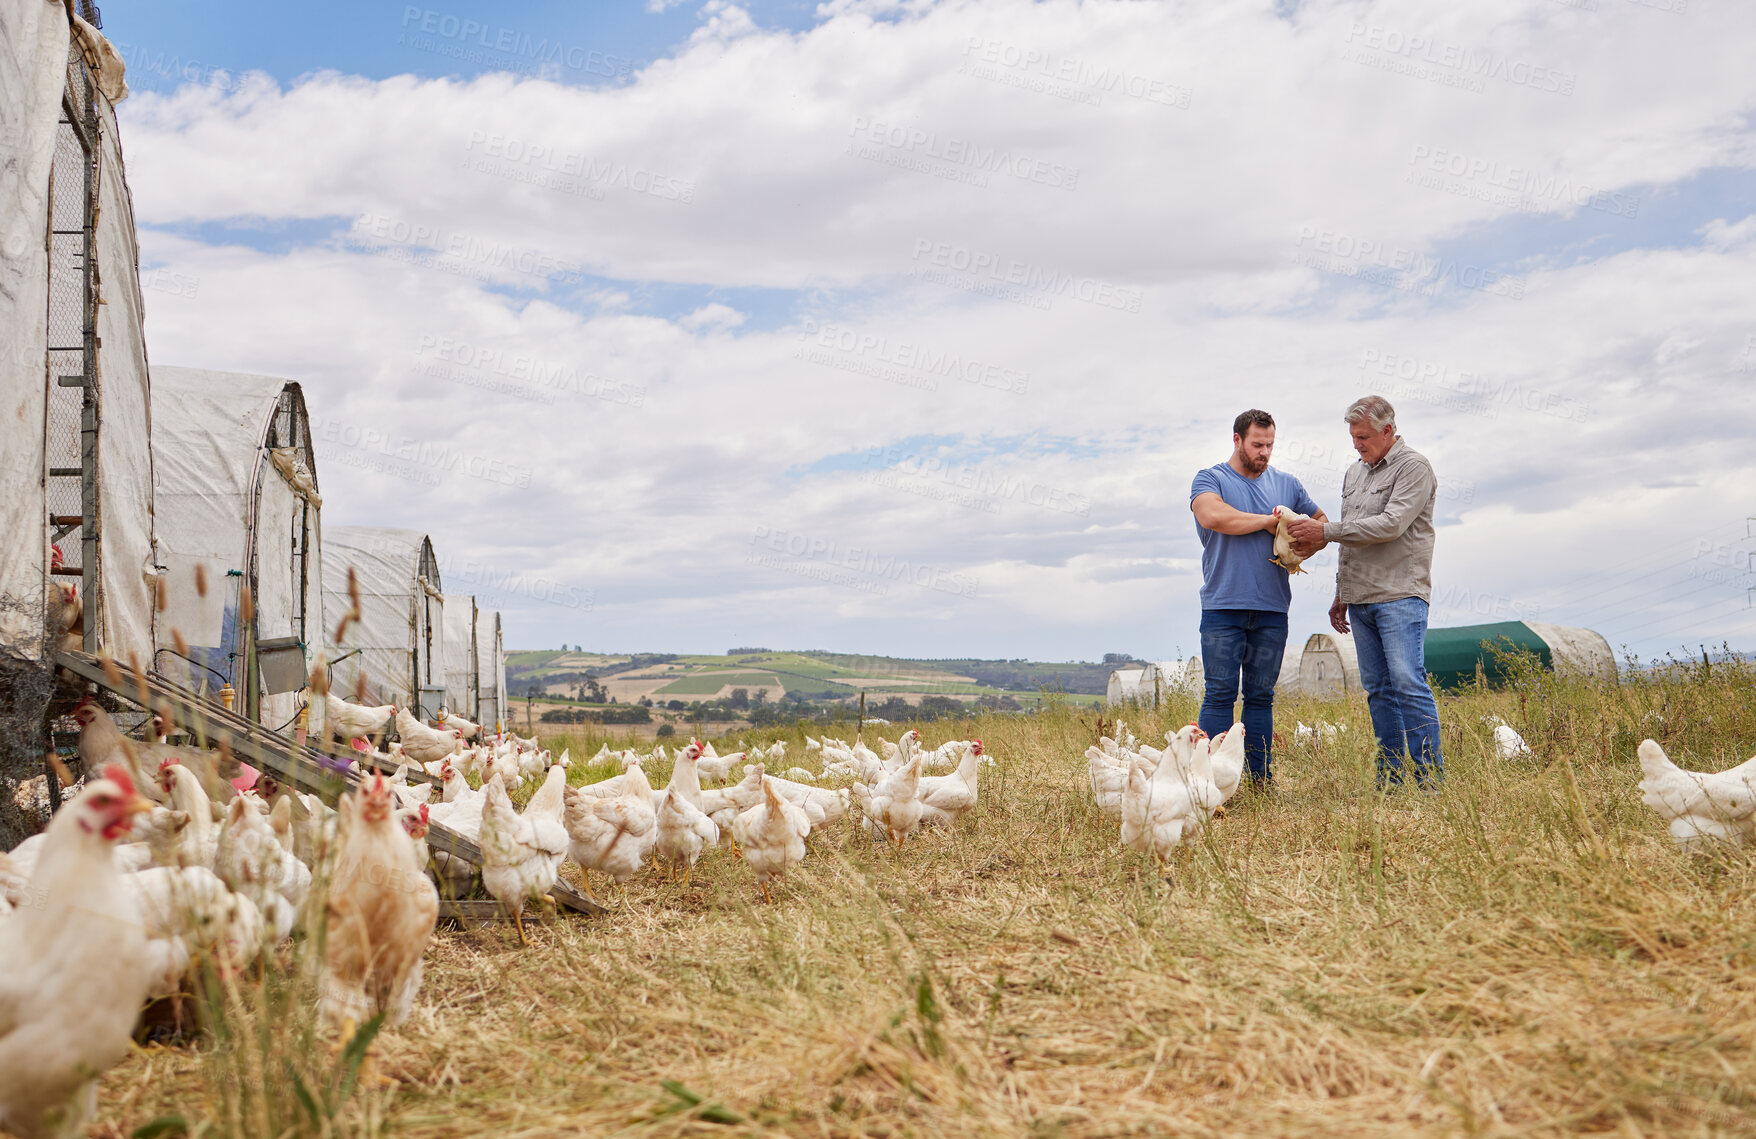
[(1523, 953)]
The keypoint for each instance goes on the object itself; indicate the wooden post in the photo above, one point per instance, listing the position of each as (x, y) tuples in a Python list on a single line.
[(860, 727)]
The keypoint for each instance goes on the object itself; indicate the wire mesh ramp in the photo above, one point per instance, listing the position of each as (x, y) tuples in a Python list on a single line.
[(292, 764)]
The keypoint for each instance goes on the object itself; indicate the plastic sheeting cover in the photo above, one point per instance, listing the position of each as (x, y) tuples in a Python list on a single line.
[(1329, 665), (33, 71), (491, 663), (124, 435), (392, 633), (208, 430), (460, 654)]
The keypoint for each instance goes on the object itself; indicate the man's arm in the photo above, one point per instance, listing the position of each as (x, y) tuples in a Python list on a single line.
[(1217, 515), (1308, 536), (1409, 495)]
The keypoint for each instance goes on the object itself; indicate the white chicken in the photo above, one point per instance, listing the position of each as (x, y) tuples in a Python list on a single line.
[(1702, 808), (682, 831), (1284, 555), (895, 804), (1508, 744), (74, 967), (348, 721), (204, 921), (522, 854), (381, 911), (1164, 807), (613, 834), (254, 857), (423, 744), (772, 834), (1227, 760), (466, 729), (718, 767), (1109, 779), (821, 805), (200, 839), (947, 798)]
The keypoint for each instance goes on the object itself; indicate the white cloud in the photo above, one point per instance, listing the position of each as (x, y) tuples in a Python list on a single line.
[(1226, 173)]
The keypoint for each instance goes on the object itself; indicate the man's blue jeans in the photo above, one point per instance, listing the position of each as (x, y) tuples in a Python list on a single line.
[(1246, 643), (1391, 640)]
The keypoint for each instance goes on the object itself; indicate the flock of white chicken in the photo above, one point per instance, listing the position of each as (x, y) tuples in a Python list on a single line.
[(1165, 796), (172, 859), (176, 857)]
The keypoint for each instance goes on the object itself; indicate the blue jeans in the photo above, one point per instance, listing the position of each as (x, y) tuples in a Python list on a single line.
[(1245, 643), (1391, 639)]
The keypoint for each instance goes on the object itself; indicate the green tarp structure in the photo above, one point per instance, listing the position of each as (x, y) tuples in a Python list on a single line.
[(1454, 654)]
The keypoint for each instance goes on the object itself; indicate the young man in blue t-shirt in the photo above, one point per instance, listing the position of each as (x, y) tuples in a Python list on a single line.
[(1244, 594)]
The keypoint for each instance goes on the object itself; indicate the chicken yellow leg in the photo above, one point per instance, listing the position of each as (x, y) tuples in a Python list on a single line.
[(518, 923)]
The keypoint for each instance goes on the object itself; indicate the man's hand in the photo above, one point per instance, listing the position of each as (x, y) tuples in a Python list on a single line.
[(1338, 616), (1307, 536)]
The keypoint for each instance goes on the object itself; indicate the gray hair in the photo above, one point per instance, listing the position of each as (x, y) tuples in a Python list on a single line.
[(1372, 409)]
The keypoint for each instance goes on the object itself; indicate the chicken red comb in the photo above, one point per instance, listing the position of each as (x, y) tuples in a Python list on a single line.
[(423, 812), (118, 775), (172, 761), (977, 744)]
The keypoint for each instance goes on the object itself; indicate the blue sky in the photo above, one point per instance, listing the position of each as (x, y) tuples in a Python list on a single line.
[(378, 40)]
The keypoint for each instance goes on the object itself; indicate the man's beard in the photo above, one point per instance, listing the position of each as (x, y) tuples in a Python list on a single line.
[(1253, 466)]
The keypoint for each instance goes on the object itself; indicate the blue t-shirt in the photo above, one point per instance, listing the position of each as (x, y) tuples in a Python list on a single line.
[(1236, 572)]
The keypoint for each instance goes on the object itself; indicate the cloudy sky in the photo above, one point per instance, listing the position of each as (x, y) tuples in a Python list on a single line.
[(902, 327)]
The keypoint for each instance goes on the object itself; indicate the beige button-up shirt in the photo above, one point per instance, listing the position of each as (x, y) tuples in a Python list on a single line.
[(1386, 528)]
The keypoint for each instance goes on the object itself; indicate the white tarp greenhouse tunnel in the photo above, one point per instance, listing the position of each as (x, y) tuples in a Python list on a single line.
[(1154, 682), (400, 634), (75, 455), (491, 661), (236, 496), (1329, 666), (463, 676)]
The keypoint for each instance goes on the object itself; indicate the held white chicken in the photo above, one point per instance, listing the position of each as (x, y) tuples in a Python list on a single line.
[(76, 967), (1702, 808), (522, 854), (682, 832), (381, 911), (612, 834), (772, 834), (947, 798), (1284, 555)]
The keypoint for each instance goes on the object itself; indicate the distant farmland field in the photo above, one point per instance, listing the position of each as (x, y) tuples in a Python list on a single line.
[(709, 683)]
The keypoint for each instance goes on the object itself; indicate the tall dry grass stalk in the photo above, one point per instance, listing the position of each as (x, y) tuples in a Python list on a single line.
[(1523, 953)]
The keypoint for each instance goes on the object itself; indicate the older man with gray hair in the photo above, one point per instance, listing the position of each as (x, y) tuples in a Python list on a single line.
[(1383, 583)]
